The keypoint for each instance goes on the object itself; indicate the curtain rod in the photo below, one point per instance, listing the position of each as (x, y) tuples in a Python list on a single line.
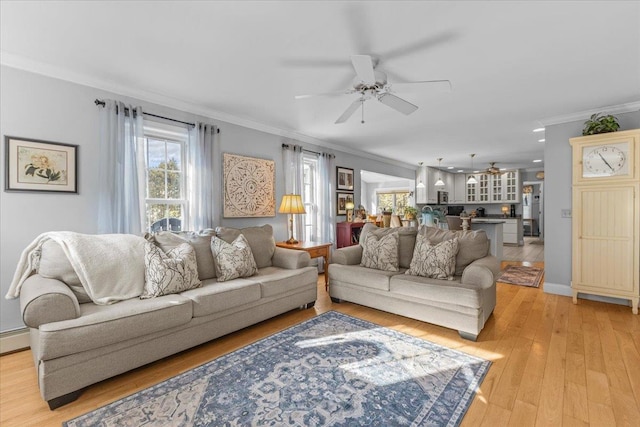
[(310, 151), (102, 104)]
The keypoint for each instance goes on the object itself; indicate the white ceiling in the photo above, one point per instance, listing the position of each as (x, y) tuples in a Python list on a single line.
[(513, 65)]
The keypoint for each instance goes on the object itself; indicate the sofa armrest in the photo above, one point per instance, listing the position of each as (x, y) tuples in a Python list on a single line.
[(45, 300), (350, 255), (481, 272), (291, 259)]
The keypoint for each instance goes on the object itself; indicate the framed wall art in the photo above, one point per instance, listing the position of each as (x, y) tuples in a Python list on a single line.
[(44, 166), (343, 198), (249, 187), (344, 179)]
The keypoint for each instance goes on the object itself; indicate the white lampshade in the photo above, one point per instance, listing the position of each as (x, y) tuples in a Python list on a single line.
[(439, 183), (292, 204), (420, 185), (472, 180)]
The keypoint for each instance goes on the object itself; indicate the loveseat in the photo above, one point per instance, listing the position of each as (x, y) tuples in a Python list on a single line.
[(462, 299), (76, 342)]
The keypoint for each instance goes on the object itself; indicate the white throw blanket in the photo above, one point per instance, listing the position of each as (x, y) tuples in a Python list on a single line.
[(109, 266)]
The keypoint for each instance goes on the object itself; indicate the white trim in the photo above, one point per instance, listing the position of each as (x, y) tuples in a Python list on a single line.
[(583, 115), (26, 64), (557, 289), (14, 340), (565, 290)]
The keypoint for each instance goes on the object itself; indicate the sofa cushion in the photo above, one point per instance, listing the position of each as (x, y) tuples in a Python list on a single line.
[(275, 281), (380, 251), (169, 273), (102, 325), (434, 260), (214, 297), (436, 290), (361, 276), (406, 242), (54, 264), (472, 244), (200, 241), (260, 239), (233, 260)]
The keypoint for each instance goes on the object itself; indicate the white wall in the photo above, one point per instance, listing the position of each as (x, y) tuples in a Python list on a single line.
[(557, 196), (44, 108)]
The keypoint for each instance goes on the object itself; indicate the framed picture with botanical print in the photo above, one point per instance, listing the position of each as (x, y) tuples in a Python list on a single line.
[(344, 179), (343, 198), (44, 166)]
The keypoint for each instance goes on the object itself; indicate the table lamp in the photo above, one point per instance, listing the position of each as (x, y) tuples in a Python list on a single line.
[(349, 206), (504, 209), (291, 204)]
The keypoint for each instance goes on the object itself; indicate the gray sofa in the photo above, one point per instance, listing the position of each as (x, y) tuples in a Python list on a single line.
[(76, 344), (463, 303)]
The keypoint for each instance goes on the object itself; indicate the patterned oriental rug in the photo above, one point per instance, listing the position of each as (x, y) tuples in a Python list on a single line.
[(521, 275), (331, 370)]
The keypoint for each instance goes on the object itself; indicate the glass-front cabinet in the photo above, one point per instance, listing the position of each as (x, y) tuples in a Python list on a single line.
[(494, 188)]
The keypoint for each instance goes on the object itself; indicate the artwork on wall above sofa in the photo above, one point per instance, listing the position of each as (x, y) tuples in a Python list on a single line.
[(249, 187), (33, 165)]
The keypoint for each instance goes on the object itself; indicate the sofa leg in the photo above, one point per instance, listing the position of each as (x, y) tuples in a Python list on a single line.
[(468, 336), (307, 305), (63, 400), (336, 300)]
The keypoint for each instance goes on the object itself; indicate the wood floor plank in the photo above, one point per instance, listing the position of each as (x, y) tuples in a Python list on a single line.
[(601, 415), (523, 414)]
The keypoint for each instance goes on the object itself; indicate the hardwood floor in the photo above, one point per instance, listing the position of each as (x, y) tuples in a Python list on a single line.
[(554, 363), (531, 251)]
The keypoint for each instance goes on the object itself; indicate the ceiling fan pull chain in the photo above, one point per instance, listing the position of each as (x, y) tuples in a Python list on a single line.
[(362, 121)]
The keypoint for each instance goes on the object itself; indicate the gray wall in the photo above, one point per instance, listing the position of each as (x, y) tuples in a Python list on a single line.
[(557, 196), (39, 107)]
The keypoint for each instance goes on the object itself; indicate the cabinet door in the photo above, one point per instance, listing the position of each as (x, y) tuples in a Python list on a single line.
[(459, 188), (449, 184), (496, 188), (471, 190), (511, 187), (483, 187), (605, 258)]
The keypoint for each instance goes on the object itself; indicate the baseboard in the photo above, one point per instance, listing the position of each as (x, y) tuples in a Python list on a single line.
[(564, 290), (14, 340)]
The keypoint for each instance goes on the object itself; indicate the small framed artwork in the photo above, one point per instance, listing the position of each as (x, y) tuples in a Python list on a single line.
[(343, 198), (345, 179), (44, 166)]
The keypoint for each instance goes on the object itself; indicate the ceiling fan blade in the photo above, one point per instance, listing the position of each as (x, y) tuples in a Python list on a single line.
[(397, 104), (349, 111), (438, 85), (364, 68), (336, 93)]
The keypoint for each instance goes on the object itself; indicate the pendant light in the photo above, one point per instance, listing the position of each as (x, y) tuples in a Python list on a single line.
[(439, 182), (472, 179), (420, 184)]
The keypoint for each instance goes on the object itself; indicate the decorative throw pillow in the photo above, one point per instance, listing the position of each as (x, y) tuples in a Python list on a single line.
[(436, 261), (233, 259), (380, 251), (171, 272)]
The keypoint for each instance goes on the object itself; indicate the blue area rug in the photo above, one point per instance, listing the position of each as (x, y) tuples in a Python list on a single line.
[(331, 370)]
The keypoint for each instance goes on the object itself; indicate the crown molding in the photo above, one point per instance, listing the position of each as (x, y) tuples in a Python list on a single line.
[(582, 115), (30, 65)]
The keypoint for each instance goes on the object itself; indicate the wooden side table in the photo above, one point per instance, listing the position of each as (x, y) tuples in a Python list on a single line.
[(315, 250)]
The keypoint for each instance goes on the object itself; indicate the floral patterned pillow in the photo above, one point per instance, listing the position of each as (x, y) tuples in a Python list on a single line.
[(233, 259), (380, 251), (171, 272), (436, 261)]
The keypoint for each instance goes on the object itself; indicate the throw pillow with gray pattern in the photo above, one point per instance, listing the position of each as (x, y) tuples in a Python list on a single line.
[(380, 252), (233, 260), (171, 272), (435, 261)]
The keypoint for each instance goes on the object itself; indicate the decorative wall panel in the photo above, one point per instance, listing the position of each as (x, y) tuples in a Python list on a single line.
[(249, 187)]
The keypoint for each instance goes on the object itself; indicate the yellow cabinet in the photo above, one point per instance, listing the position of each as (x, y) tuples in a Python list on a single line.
[(606, 216)]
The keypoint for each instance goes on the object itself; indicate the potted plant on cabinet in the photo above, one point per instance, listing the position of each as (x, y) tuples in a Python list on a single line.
[(410, 212), (600, 124)]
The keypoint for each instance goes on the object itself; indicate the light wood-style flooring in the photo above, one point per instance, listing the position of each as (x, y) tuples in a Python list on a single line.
[(530, 251), (554, 363)]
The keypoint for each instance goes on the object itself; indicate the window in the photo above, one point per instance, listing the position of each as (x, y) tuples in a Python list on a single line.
[(396, 201), (165, 177), (310, 197)]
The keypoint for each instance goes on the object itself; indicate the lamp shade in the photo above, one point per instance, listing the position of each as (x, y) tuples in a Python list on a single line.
[(349, 205), (292, 204)]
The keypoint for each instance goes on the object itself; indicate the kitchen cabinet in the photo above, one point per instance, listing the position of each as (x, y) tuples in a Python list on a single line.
[(606, 206), (503, 188), (449, 184), (459, 188), (478, 192), (429, 194), (421, 177), (512, 232)]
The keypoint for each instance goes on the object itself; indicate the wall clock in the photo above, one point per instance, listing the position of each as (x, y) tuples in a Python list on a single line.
[(605, 160)]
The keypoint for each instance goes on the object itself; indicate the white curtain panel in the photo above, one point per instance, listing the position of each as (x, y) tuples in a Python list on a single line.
[(294, 182), (121, 152), (325, 198), (202, 177)]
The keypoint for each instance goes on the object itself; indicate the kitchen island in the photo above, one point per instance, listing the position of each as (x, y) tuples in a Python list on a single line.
[(494, 230)]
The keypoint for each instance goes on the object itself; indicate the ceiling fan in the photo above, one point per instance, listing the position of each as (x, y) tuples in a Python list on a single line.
[(493, 170), (370, 83)]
